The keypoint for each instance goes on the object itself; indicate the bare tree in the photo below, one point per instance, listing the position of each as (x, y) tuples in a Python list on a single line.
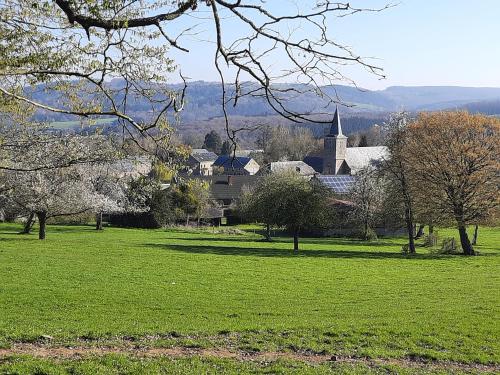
[(98, 56), (397, 169), (283, 143), (454, 160)]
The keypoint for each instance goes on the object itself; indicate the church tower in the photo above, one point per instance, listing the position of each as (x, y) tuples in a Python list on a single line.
[(335, 145)]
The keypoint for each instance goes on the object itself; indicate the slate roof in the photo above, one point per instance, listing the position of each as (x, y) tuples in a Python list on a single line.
[(336, 128), (358, 158), (200, 154), (248, 152), (316, 162), (228, 162), (298, 166)]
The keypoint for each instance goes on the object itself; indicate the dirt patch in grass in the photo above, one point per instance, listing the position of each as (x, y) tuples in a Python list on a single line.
[(75, 353)]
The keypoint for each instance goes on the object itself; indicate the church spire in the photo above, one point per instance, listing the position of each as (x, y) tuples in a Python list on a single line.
[(336, 128)]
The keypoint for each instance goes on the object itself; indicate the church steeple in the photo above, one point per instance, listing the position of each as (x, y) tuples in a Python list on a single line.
[(336, 128), (335, 147)]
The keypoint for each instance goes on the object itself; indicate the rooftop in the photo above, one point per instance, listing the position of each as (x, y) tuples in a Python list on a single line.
[(229, 162), (339, 184), (200, 154), (297, 166), (358, 158)]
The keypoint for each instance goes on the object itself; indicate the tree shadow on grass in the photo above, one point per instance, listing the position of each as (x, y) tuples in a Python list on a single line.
[(288, 240), (71, 228), (285, 253)]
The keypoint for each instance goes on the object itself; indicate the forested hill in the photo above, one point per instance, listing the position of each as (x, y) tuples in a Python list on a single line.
[(365, 108), (203, 100)]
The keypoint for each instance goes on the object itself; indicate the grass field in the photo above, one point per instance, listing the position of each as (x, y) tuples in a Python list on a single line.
[(228, 302)]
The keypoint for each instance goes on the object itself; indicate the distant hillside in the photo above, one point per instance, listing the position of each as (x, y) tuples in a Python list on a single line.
[(431, 98), (491, 107), (363, 108), (203, 100)]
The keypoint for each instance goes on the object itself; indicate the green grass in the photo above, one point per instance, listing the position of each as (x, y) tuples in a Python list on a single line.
[(198, 289), (121, 364)]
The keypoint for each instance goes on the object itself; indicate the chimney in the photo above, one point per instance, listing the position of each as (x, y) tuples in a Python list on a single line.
[(230, 180)]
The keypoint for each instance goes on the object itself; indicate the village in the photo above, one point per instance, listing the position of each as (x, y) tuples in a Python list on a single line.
[(249, 187)]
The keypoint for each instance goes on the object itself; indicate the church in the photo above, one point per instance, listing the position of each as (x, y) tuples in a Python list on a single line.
[(338, 159)]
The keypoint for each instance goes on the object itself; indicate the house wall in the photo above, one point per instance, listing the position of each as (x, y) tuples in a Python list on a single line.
[(252, 167), (205, 168)]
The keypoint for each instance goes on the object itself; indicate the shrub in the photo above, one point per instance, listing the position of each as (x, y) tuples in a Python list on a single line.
[(449, 246), (405, 249), (431, 240), (76, 219), (371, 235)]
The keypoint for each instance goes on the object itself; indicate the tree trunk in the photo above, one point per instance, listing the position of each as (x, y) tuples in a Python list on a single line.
[(420, 231), (98, 221), (187, 220), (365, 234), (268, 232), (409, 228), (295, 241), (29, 224), (431, 229), (474, 239), (464, 240), (42, 221)]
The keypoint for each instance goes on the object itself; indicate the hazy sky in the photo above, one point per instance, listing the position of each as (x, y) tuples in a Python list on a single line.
[(417, 42)]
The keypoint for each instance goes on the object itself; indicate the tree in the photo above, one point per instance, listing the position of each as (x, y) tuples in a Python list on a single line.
[(285, 143), (287, 199), (363, 141), (76, 47), (213, 142), (367, 198), (454, 160), (110, 186), (397, 169), (51, 193), (254, 205), (226, 148), (54, 174), (162, 207), (34, 147), (191, 198)]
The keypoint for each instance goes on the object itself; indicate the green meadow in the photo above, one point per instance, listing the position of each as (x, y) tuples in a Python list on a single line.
[(365, 303)]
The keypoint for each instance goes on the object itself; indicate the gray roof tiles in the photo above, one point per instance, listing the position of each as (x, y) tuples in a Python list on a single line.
[(358, 158), (200, 154), (336, 128), (297, 166)]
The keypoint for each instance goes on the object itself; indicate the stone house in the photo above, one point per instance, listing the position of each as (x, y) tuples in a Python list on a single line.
[(200, 162), (238, 166)]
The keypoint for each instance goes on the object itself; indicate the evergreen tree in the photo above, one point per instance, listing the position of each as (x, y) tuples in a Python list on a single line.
[(213, 142)]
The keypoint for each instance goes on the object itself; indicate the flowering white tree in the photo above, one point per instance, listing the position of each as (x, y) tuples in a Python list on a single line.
[(110, 188), (54, 174), (50, 193), (367, 195)]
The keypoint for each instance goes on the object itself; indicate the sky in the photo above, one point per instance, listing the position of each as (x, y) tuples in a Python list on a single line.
[(416, 42)]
